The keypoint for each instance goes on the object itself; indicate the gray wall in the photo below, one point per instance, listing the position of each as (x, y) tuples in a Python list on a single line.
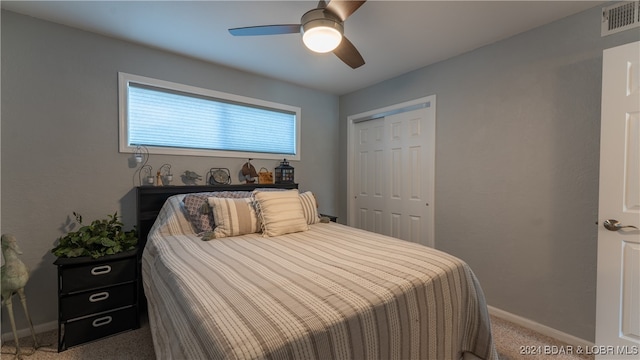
[(517, 158), (516, 155), (60, 136)]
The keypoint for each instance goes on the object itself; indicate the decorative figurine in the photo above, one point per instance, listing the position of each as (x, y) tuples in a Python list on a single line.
[(249, 172), (15, 275), (190, 177)]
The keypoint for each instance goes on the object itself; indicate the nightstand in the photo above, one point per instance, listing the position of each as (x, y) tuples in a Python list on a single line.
[(331, 217), (96, 297)]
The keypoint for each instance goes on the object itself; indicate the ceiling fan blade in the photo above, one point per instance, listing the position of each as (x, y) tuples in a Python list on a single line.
[(266, 30), (349, 54), (344, 8)]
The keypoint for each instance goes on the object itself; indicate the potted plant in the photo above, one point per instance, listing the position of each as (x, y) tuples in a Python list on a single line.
[(100, 238)]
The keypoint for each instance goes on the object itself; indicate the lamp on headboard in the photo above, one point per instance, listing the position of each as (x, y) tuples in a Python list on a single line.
[(139, 154), (284, 173), (148, 179), (141, 157), (165, 172)]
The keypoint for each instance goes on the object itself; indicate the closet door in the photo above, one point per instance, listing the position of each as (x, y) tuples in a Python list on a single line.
[(393, 175)]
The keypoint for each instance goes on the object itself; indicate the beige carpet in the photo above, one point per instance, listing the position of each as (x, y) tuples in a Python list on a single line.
[(511, 338), (137, 344)]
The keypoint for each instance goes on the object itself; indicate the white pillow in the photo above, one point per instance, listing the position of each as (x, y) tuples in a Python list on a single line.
[(280, 212), (233, 217), (309, 207)]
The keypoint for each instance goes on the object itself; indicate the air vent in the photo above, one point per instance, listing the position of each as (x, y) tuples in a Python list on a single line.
[(620, 17)]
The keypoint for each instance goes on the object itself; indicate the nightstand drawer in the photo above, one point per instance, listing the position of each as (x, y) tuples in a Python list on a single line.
[(91, 276), (96, 301), (98, 326)]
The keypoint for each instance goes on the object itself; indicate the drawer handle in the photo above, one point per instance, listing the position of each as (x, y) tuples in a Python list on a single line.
[(102, 321), (101, 270), (99, 296)]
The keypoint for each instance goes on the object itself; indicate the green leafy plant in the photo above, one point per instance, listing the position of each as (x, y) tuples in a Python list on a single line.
[(100, 238)]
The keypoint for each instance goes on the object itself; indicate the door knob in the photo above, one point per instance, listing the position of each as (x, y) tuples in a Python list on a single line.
[(614, 225)]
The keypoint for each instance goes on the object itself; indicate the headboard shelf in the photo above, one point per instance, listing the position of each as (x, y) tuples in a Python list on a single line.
[(151, 198)]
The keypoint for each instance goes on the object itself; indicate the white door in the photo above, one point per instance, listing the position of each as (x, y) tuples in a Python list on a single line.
[(618, 288), (371, 171), (393, 175)]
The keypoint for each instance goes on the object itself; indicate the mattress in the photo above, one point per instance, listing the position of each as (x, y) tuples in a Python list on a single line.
[(332, 292)]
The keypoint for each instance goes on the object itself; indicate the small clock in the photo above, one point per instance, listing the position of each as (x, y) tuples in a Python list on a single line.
[(219, 176)]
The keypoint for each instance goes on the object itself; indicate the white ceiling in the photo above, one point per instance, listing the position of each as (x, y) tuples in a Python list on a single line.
[(394, 37)]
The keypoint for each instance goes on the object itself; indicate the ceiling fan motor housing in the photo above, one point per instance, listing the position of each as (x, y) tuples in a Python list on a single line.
[(321, 17)]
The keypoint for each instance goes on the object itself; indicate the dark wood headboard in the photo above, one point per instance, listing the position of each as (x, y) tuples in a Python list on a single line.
[(151, 198)]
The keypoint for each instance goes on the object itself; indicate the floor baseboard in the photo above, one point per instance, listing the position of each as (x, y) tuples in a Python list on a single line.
[(537, 327), (53, 325)]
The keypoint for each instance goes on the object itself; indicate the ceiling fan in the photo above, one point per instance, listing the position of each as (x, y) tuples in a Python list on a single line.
[(322, 30)]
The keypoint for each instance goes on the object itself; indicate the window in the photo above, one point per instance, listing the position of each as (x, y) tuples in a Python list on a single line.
[(176, 119)]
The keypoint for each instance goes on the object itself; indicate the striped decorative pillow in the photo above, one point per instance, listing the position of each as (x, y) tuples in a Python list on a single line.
[(280, 212), (309, 207), (233, 217)]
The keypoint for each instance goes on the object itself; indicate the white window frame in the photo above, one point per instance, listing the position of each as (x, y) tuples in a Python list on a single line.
[(123, 92)]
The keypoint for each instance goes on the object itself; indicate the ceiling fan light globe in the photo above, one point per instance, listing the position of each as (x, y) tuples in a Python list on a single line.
[(322, 36), (322, 39)]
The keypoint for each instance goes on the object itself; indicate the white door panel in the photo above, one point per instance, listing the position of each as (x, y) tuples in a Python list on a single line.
[(618, 287), (368, 171)]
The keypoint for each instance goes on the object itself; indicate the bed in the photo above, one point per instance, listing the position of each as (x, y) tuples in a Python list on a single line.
[(326, 292)]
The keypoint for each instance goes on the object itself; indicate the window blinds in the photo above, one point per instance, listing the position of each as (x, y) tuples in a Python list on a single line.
[(165, 118)]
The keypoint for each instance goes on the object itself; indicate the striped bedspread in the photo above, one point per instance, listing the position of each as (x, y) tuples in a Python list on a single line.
[(333, 292)]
